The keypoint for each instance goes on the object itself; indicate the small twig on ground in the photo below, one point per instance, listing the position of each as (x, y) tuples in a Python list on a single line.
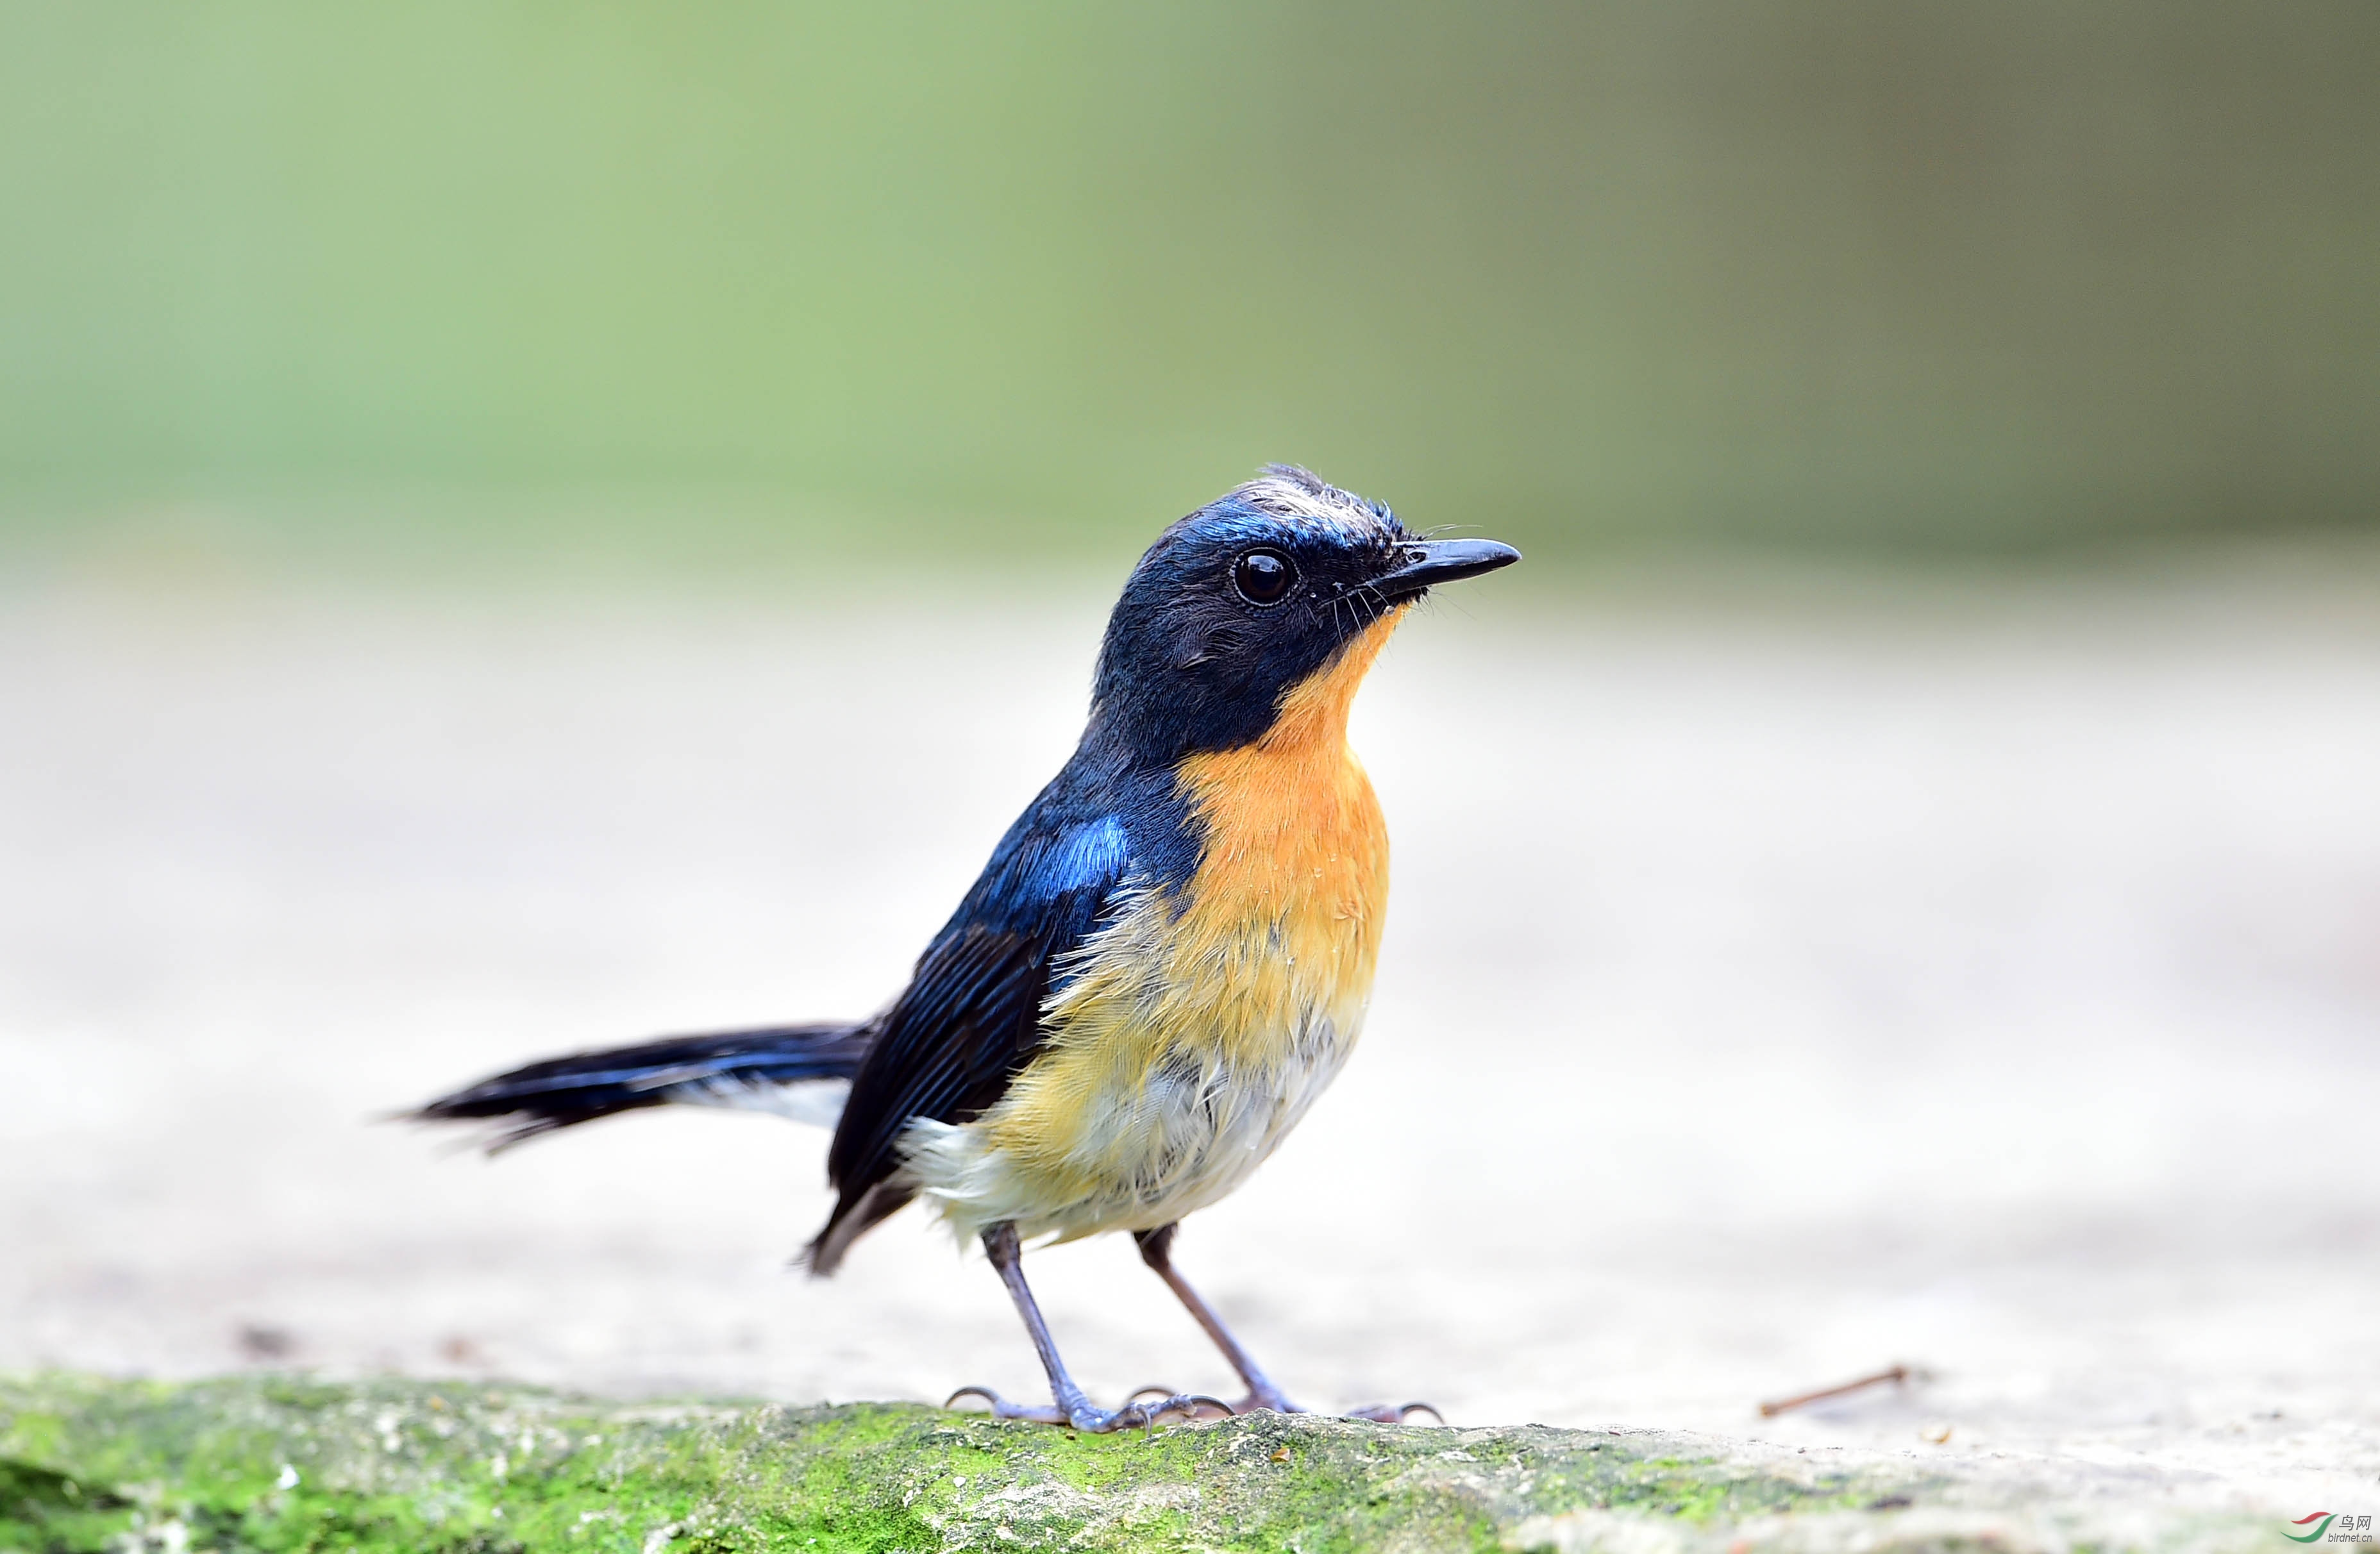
[(1898, 1375)]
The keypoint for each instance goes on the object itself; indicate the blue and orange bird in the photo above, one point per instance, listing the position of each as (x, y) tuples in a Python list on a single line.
[(1165, 962)]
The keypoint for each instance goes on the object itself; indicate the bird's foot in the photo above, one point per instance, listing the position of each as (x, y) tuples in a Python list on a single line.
[(1395, 1414), (1207, 1408), (1272, 1398), (1083, 1416)]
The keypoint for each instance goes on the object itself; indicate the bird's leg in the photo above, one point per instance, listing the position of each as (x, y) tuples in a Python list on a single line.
[(1072, 1405), (1157, 1251)]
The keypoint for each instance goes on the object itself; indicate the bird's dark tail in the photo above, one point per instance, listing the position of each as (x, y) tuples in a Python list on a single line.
[(802, 1071)]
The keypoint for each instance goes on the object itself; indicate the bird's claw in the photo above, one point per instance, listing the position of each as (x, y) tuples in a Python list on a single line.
[(1397, 1413), (1379, 1414), (1002, 1409), (1195, 1405), (1095, 1421), (1204, 1403), (1100, 1421)]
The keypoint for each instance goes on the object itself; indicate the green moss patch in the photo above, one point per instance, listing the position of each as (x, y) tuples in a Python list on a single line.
[(271, 1465)]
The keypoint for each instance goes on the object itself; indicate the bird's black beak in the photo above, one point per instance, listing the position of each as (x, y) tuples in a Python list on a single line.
[(1427, 562)]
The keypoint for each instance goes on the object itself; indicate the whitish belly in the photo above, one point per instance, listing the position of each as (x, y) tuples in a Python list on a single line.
[(1149, 1143)]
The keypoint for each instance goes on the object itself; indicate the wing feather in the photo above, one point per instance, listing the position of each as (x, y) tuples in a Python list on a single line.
[(971, 1015)]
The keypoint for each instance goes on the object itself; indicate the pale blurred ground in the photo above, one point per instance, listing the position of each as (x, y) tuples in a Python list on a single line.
[(1783, 980)]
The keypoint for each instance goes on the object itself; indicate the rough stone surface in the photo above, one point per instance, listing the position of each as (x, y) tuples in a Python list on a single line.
[(270, 1464)]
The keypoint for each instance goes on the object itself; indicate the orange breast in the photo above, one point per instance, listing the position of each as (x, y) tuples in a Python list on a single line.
[(1287, 902)]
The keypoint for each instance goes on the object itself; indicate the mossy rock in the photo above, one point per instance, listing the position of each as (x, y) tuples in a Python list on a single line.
[(275, 1463)]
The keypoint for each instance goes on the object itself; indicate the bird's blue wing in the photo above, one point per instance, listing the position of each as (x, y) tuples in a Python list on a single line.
[(971, 1015)]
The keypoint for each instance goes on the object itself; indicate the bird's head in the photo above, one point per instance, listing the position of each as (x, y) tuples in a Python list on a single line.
[(1254, 596)]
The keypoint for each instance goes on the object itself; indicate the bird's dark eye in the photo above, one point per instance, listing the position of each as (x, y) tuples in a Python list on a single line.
[(1264, 576)]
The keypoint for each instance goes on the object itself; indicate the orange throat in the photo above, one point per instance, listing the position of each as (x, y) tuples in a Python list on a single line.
[(1296, 849)]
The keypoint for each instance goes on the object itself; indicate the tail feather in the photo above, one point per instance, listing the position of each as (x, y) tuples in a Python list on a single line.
[(796, 1071)]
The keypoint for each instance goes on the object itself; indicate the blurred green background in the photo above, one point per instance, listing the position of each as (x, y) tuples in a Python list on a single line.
[(1904, 275)]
